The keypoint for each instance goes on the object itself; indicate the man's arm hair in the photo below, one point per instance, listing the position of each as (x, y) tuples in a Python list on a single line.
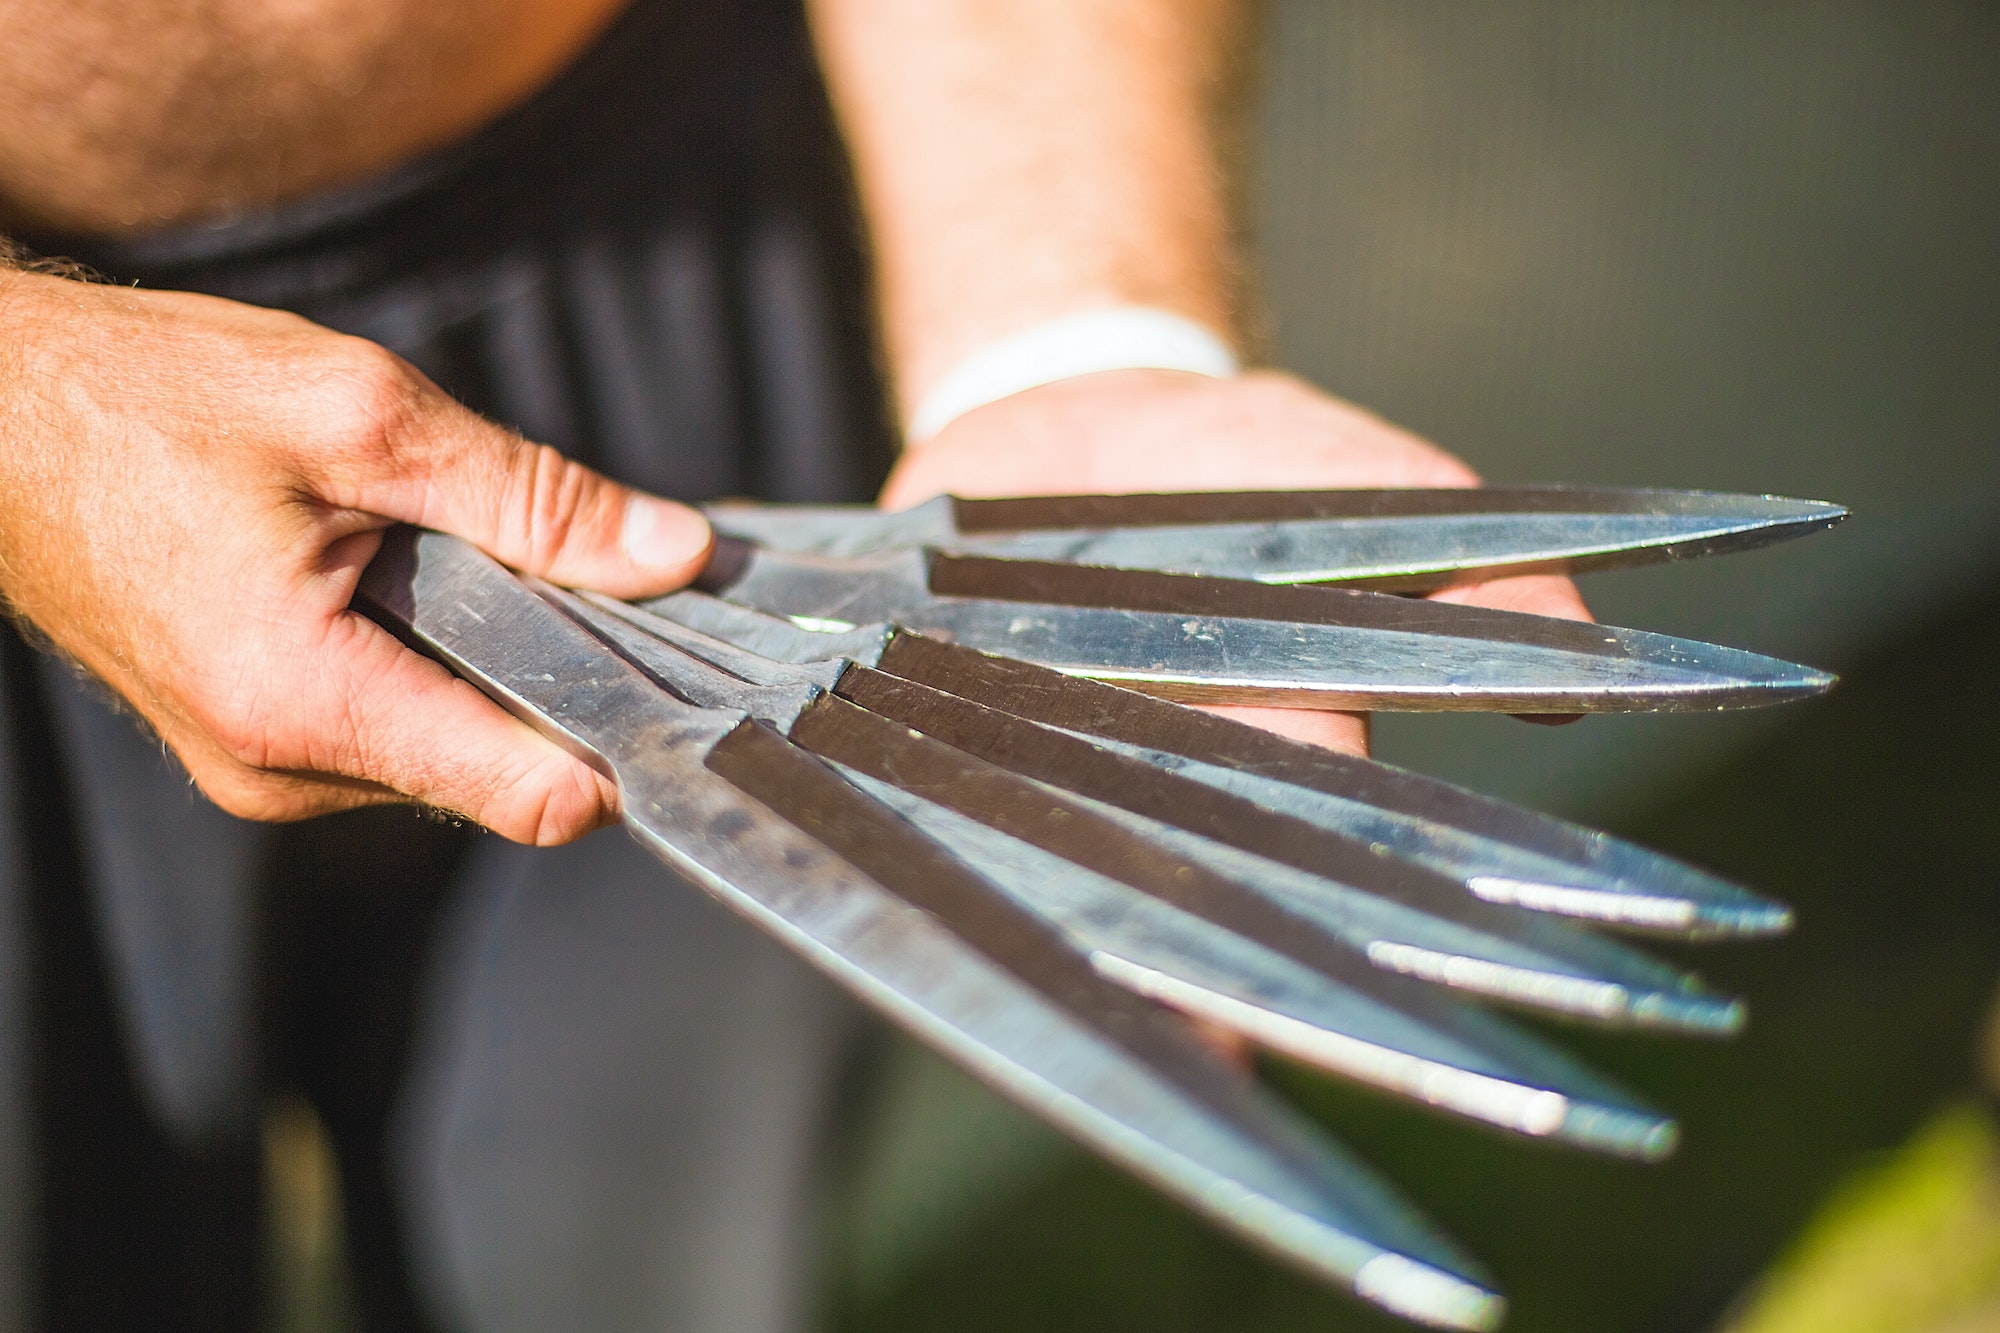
[(18, 258)]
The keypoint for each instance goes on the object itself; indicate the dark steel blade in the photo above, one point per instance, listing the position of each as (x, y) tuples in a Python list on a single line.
[(1776, 516)]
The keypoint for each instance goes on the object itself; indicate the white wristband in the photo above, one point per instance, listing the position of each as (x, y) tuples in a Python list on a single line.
[(1112, 338)]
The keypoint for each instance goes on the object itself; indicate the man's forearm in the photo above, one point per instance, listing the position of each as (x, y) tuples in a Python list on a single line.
[(188, 495), (1021, 159)]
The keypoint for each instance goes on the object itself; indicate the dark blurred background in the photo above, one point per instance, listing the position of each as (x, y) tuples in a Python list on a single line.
[(1742, 246)]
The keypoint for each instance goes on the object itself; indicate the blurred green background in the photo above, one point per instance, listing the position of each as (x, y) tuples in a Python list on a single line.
[(1744, 246)]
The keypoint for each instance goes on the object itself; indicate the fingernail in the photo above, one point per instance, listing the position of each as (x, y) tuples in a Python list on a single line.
[(662, 535)]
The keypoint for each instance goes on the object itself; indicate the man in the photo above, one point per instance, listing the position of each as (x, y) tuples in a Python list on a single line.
[(616, 228)]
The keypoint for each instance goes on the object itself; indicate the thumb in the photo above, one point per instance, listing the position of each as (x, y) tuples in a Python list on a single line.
[(530, 507)]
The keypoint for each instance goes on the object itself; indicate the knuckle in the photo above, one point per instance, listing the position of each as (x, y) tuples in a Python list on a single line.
[(572, 810), (556, 802), (368, 397), (544, 506)]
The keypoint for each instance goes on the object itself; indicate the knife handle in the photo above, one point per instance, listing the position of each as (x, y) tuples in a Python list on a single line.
[(464, 608)]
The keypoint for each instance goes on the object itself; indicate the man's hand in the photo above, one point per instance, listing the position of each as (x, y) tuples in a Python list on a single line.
[(1140, 430), (189, 491)]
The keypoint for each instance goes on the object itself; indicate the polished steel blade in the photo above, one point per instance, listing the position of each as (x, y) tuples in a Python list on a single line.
[(1401, 539), (1399, 917), (776, 835), (1348, 1018), (1232, 641), (1504, 853), (1391, 1033), (1313, 895)]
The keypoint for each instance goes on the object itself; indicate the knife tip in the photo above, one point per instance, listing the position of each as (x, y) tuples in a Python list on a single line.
[(1429, 1295), (1621, 1131), (1764, 918), (1663, 912), (1705, 1015), (1763, 684), (1816, 511)]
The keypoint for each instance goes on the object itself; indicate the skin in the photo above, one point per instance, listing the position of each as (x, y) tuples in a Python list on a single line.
[(192, 487), (121, 115), (191, 491)]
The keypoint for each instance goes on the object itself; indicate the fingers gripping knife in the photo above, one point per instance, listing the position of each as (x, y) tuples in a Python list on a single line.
[(1016, 864)]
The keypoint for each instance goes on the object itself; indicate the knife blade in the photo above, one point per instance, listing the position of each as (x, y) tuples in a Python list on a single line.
[(1395, 1034), (1503, 852), (1334, 1011), (1315, 896), (777, 835), (1206, 640), (1400, 540)]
